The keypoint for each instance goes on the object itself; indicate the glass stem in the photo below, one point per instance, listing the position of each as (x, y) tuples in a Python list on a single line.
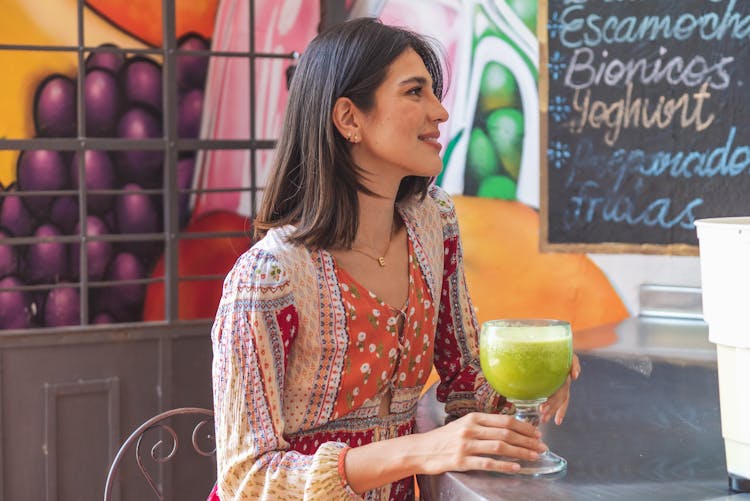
[(528, 410)]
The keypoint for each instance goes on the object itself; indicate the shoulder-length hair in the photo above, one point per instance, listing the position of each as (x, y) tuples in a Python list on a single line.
[(314, 182)]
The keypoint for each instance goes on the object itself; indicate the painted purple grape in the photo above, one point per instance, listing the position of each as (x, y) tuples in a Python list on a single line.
[(55, 107), (103, 102), (99, 172), (185, 168), (41, 170), (64, 214), (124, 301), (98, 252), (142, 82), (189, 114), (192, 69), (46, 262), (135, 211), (143, 167), (62, 307), (8, 256), (17, 308), (105, 60), (103, 317), (111, 221), (14, 216)]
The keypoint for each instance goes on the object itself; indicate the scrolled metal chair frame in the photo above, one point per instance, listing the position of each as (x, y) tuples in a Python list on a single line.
[(156, 423)]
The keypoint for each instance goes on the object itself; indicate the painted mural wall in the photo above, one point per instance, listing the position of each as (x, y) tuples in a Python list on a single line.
[(491, 154)]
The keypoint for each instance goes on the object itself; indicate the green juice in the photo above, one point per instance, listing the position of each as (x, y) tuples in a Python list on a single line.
[(526, 363)]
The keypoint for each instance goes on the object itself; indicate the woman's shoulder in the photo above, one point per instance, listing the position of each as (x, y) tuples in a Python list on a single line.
[(267, 262), (441, 199), (436, 201)]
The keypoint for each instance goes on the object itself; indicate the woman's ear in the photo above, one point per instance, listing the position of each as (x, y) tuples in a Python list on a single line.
[(346, 119)]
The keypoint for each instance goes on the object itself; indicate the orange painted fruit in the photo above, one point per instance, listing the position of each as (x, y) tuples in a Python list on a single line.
[(198, 299), (143, 18), (508, 277)]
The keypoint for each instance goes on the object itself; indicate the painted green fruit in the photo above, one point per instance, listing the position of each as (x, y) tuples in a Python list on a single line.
[(482, 158), (501, 187), (527, 11), (498, 88), (505, 129)]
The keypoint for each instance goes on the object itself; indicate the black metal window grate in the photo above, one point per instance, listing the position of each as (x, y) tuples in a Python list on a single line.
[(101, 195)]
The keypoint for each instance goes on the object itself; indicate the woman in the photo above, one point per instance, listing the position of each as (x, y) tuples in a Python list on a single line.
[(328, 327)]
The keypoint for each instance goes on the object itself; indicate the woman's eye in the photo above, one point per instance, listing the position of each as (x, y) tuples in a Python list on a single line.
[(416, 91)]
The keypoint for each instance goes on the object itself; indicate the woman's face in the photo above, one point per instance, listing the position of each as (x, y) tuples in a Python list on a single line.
[(399, 135)]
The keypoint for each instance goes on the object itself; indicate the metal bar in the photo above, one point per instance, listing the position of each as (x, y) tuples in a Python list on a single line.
[(171, 214), (83, 294), (253, 100), (144, 191), (154, 52), (117, 144)]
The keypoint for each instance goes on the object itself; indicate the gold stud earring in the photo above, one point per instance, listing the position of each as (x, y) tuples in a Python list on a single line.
[(349, 136)]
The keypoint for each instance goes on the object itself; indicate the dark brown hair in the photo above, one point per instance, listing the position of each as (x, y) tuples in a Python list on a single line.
[(314, 181)]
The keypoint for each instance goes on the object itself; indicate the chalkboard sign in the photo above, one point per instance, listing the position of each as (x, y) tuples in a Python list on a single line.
[(645, 121)]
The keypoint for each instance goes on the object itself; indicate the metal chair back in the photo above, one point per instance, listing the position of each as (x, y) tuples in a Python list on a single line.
[(155, 428)]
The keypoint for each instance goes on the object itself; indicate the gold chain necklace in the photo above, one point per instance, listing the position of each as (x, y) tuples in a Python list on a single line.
[(379, 259)]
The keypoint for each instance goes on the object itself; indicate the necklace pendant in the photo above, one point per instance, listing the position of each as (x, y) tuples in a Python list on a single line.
[(381, 261)]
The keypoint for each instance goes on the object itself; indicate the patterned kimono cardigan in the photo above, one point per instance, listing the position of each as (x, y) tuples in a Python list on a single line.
[(282, 350)]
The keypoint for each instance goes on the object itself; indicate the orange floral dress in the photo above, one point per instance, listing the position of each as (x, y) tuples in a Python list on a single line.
[(391, 347)]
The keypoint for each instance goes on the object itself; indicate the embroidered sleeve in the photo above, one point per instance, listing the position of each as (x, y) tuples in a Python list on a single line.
[(463, 388), (254, 327)]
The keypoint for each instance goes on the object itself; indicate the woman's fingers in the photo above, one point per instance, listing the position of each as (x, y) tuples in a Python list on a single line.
[(501, 421), (505, 449), (558, 400), (575, 367), (489, 463)]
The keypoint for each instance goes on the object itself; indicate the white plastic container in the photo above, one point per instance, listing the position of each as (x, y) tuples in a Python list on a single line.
[(725, 275)]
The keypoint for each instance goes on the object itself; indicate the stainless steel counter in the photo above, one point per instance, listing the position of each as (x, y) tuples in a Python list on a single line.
[(643, 423)]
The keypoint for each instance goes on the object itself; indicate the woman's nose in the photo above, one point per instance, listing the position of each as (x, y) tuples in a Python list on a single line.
[(440, 113)]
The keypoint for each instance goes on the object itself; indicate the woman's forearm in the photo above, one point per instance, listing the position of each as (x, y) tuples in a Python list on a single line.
[(477, 441), (381, 463)]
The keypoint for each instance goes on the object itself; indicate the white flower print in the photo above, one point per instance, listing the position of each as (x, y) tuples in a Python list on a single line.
[(402, 377), (376, 313), (361, 336), (365, 368), (372, 347), (383, 375), (355, 391), (344, 287), (392, 353)]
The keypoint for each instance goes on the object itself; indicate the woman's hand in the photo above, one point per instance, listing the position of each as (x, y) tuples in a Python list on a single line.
[(557, 403), (473, 442)]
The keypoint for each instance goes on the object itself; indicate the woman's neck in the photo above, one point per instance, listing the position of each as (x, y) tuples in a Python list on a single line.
[(377, 222)]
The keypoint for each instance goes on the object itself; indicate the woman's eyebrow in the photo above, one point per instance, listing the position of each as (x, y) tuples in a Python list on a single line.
[(413, 80)]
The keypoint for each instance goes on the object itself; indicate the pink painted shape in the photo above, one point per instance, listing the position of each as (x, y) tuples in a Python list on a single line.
[(281, 27)]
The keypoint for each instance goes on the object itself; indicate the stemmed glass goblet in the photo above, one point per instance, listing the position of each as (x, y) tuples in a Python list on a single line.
[(527, 361)]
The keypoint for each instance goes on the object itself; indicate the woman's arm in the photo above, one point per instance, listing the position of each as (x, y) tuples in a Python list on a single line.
[(462, 387), (253, 331), (465, 444)]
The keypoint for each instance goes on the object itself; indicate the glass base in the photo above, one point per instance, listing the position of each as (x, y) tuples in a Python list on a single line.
[(548, 463)]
